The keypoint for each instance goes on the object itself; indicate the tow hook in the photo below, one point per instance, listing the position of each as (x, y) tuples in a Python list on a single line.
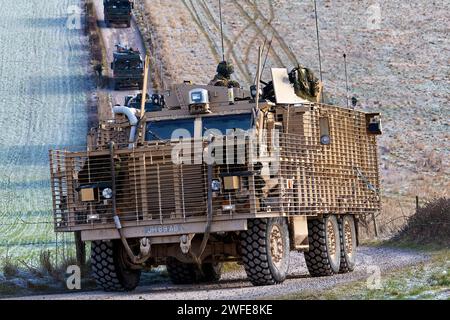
[(145, 247), (185, 243)]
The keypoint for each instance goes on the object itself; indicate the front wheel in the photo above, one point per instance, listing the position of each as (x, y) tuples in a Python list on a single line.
[(109, 268), (265, 250)]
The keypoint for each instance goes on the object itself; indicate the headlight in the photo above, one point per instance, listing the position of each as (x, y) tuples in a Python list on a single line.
[(325, 140), (107, 193), (216, 185)]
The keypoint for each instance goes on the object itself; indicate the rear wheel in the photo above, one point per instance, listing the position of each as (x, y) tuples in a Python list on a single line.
[(188, 273), (347, 235), (265, 250), (109, 267), (323, 257), (212, 272)]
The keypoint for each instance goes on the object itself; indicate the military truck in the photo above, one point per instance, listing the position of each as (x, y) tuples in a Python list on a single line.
[(127, 68), (117, 12), (222, 174)]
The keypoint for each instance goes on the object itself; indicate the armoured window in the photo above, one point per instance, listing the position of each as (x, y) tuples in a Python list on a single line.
[(168, 129), (225, 123)]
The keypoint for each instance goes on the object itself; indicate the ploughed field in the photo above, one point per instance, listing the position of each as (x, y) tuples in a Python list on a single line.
[(44, 84)]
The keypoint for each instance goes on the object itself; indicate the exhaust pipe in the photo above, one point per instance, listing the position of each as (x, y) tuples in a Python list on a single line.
[(130, 114)]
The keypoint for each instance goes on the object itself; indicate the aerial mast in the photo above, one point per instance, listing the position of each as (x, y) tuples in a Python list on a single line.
[(221, 30), (318, 45)]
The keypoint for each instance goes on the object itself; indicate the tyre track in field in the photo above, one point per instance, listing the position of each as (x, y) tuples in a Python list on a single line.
[(289, 53), (194, 15), (48, 96), (259, 30), (241, 65), (244, 72)]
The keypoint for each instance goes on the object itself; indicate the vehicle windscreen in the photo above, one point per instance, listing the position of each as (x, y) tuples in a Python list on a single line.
[(131, 64), (168, 129), (227, 123)]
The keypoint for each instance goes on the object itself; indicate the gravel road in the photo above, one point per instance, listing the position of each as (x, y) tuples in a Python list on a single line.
[(118, 35), (234, 285)]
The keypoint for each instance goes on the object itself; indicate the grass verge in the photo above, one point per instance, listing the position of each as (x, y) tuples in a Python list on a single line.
[(425, 281)]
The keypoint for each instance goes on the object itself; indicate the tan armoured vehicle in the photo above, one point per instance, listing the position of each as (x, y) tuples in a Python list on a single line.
[(217, 174)]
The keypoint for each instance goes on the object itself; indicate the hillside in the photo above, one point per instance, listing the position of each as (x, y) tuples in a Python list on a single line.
[(394, 67)]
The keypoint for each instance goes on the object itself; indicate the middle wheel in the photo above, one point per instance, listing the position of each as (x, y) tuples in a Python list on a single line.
[(265, 250), (324, 255)]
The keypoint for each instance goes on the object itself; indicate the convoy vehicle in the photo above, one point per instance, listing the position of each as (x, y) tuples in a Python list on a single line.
[(127, 68), (219, 174), (117, 12)]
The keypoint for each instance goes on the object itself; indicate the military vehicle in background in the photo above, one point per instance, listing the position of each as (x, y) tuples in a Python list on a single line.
[(117, 12), (127, 68), (216, 174)]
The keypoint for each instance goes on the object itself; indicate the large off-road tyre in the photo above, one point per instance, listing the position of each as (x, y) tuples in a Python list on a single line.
[(324, 255), (212, 272), (188, 273), (109, 269), (347, 235), (265, 250)]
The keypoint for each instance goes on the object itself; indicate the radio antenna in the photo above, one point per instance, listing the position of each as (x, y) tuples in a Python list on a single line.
[(267, 54), (318, 45), (221, 30), (346, 80)]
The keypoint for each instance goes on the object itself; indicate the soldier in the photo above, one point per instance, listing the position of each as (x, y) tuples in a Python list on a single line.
[(99, 71), (306, 85), (223, 76)]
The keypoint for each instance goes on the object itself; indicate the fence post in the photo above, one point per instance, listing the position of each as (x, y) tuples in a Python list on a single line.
[(80, 249), (417, 203)]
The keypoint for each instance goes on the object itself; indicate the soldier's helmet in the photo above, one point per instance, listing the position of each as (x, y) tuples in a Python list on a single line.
[(225, 69)]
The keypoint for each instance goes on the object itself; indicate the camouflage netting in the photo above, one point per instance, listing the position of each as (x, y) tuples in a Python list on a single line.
[(429, 225)]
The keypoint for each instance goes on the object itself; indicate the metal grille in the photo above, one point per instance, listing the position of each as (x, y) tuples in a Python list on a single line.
[(312, 177)]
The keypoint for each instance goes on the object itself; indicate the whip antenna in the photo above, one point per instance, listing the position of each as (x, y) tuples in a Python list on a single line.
[(318, 44), (346, 80), (221, 30)]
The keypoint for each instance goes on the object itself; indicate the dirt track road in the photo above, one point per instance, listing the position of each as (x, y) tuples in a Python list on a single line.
[(235, 286), (118, 35)]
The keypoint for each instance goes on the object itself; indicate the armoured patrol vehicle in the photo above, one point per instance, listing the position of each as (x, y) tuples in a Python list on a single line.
[(117, 12), (127, 68), (217, 173)]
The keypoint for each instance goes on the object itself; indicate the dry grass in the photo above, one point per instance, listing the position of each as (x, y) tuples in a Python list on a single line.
[(429, 225), (10, 268)]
